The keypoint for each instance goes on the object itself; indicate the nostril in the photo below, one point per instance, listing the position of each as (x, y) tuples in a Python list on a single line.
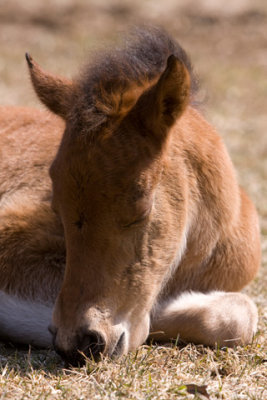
[(92, 344), (88, 343)]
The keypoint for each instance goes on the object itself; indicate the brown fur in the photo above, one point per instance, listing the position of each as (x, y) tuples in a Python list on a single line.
[(148, 199), (32, 248)]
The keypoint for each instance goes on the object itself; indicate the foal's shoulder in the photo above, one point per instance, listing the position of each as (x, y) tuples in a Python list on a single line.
[(195, 130)]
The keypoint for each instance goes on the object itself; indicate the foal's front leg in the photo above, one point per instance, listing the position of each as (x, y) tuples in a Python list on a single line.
[(215, 318)]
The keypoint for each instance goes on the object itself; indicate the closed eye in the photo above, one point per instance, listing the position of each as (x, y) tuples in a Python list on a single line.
[(134, 223), (139, 220)]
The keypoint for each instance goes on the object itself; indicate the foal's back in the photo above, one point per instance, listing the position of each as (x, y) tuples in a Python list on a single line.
[(28, 141)]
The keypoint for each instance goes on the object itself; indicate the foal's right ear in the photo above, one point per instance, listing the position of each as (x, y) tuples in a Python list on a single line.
[(54, 91)]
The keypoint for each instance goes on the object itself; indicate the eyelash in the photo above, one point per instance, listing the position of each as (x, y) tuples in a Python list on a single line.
[(137, 221), (134, 222)]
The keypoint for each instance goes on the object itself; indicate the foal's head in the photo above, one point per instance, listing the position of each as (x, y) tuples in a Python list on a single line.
[(106, 189)]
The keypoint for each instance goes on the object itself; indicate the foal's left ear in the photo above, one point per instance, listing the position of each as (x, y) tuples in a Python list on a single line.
[(54, 91), (164, 103)]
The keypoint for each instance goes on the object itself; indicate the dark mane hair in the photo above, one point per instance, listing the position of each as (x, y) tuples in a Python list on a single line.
[(140, 60)]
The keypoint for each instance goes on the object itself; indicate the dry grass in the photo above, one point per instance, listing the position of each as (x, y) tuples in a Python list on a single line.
[(152, 372), (228, 47)]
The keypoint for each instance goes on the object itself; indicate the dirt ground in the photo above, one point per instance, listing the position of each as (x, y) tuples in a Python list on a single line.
[(227, 42)]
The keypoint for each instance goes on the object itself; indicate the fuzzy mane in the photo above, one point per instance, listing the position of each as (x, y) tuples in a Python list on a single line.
[(113, 81)]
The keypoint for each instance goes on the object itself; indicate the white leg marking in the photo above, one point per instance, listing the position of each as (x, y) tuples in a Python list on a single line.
[(225, 318), (24, 321)]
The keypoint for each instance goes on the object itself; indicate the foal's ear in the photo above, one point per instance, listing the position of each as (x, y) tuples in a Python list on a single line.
[(164, 103), (54, 91)]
